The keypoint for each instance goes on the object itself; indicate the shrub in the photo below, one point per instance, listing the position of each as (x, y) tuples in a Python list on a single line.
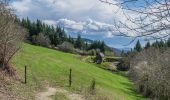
[(150, 70), (124, 64), (42, 40), (66, 47)]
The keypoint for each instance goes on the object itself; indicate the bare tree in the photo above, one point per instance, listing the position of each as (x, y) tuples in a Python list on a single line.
[(150, 71), (150, 19), (11, 36), (67, 47), (42, 40)]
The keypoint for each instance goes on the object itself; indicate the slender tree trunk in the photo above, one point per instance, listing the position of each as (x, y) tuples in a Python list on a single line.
[(4, 56)]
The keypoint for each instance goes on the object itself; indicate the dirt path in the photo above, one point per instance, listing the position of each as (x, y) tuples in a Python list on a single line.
[(45, 95), (2, 97), (52, 91)]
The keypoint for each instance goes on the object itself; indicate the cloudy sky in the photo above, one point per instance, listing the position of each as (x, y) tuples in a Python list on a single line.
[(90, 18)]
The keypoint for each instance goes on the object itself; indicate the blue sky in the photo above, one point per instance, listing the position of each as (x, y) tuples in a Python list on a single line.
[(90, 18)]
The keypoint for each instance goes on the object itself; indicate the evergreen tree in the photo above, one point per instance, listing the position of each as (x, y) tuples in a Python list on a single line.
[(57, 35), (148, 45), (39, 26), (161, 44), (168, 42), (79, 42), (102, 47), (138, 46), (69, 38), (156, 44), (122, 53)]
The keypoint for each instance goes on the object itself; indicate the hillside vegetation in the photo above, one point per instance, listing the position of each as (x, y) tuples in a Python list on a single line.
[(50, 67)]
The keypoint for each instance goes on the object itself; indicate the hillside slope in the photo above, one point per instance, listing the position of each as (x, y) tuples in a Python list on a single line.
[(52, 67)]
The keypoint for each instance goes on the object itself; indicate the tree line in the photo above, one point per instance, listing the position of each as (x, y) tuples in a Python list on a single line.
[(42, 34), (149, 68), (156, 44)]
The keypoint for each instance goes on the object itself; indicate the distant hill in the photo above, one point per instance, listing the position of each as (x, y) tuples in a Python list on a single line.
[(87, 40), (116, 51)]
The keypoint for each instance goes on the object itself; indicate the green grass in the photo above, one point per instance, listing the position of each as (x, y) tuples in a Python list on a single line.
[(53, 66)]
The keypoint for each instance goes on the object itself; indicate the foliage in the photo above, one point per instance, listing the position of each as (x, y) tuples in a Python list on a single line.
[(148, 45), (42, 40), (57, 36), (79, 42), (124, 64), (98, 45), (113, 59), (157, 44), (11, 36), (67, 47), (138, 46), (150, 71), (168, 42)]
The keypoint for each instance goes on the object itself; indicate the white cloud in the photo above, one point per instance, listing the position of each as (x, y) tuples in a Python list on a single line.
[(49, 22), (22, 6), (109, 35), (88, 27), (72, 9), (82, 11)]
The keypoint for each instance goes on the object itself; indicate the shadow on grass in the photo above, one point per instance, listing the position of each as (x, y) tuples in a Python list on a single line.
[(129, 89)]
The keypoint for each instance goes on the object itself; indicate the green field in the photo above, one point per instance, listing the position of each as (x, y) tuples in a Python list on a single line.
[(52, 67)]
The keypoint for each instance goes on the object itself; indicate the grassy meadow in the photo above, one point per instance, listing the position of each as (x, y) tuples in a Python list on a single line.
[(50, 67)]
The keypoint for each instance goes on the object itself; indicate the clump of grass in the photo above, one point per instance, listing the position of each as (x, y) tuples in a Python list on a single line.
[(93, 87)]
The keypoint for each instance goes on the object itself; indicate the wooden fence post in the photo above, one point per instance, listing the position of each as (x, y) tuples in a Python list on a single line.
[(25, 74), (70, 77)]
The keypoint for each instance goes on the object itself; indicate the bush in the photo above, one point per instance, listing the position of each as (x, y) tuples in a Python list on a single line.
[(66, 47), (124, 64), (92, 52), (112, 59), (150, 70), (42, 40)]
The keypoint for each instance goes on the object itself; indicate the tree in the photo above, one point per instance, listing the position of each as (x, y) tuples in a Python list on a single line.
[(148, 45), (122, 53), (161, 44), (150, 72), (39, 26), (67, 47), (42, 40), (79, 42), (56, 35), (138, 46), (156, 44), (149, 18), (11, 36), (102, 47), (168, 42)]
